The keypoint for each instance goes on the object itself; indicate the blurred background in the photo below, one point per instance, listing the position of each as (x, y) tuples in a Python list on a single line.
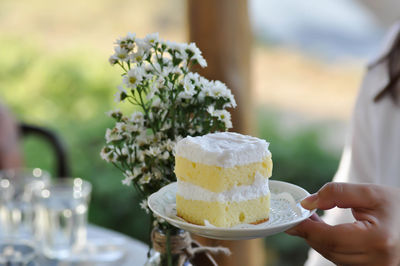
[(306, 61)]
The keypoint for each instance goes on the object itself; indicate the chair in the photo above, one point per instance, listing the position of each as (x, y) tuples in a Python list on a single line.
[(62, 166)]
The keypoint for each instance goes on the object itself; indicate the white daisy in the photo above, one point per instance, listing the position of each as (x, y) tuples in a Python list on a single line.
[(156, 103), (153, 151), (108, 154), (192, 48), (113, 59), (142, 45), (142, 138), (224, 116), (152, 38), (145, 179), (127, 181), (137, 117), (112, 135), (144, 206), (121, 53), (106, 151), (123, 41), (211, 110), (219, 89), (189, 84), (130, 37), (165, 155), (120, 95), (167, 125), (140, 155), (114, 113), (138, 56), (133, 77)]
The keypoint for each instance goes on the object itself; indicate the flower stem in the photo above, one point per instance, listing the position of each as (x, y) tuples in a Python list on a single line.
[(169, 255)]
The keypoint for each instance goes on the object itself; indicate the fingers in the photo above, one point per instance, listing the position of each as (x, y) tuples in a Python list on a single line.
[(316, 218), (344, 259), (343, 195), (294, 230), (342, 244), (344, 238)]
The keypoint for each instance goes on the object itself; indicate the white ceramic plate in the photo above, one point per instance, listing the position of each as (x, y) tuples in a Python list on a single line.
[(285, 213)]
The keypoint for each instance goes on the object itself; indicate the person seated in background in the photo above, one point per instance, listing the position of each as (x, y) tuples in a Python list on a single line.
[(365, 229), (10, 156)]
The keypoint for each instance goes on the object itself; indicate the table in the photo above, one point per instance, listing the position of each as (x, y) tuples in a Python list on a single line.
[(136, 250), (106, 247)]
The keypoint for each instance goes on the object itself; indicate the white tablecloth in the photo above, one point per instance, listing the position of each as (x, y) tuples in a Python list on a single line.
[(105, 247), (136, 251)]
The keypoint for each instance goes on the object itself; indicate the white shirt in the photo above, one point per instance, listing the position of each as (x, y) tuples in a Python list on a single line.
[(372, 150)]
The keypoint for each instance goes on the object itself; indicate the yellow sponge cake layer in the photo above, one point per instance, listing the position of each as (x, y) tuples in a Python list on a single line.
[(223, 214), (218, 179), (223, 178)]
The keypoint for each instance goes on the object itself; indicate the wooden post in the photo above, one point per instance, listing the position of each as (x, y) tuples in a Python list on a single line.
[(221, 30)]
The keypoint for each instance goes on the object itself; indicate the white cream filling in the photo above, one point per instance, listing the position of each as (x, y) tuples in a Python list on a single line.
[(259, 188), (225, 149)]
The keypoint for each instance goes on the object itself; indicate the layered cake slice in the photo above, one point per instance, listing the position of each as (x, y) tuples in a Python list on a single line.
[(223, 178)]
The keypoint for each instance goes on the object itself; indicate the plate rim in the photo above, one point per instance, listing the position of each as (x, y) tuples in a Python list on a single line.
[(185, 225)]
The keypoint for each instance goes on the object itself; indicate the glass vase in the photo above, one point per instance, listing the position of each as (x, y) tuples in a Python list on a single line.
[(168, 244)]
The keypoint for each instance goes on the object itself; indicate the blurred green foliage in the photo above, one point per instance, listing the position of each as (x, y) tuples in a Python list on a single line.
[(70, 91)]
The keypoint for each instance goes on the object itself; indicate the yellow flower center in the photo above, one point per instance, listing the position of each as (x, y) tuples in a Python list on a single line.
[(132, 80)]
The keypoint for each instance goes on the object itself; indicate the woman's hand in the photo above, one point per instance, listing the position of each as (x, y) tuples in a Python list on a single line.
[(373, 239)]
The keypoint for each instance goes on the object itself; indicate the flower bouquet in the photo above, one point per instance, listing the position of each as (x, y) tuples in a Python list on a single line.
[(169, 102)]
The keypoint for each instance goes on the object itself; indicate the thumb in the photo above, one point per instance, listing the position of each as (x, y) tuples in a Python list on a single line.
[(343, 195)]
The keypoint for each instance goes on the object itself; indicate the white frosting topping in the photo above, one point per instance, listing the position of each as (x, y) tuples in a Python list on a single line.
[(258, 189), (225, 149)]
